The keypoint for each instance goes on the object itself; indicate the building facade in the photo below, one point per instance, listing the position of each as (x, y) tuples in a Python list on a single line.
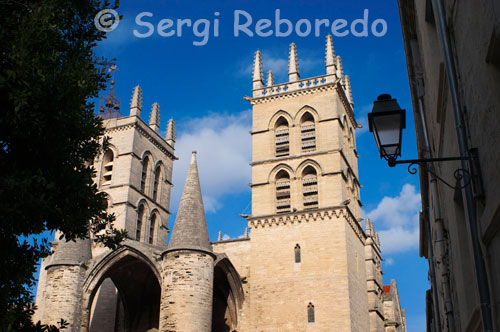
[(308, 264), (456, 102)]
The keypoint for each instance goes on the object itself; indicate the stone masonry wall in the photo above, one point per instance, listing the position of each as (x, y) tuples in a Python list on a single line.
[(187, 288)]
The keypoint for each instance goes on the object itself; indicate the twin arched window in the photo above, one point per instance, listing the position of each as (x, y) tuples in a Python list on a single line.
[(141, 222), (145, 175), (309, 190), (282, 135), (107, 167)]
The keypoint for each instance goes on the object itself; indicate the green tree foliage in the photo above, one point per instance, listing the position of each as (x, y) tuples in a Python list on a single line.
[(48, 134)]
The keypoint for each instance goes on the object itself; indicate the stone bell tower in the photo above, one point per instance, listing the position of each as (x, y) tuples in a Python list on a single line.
[(305, 222)]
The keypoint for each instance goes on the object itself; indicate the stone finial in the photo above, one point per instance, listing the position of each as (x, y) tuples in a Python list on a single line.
[(219, 237), (270, 78), (246, 232), (170, 136), (258, 76), (348, 90), (293, 64), (340, 70), (190, 228), (330, 56), (154, 119), (136, 102)]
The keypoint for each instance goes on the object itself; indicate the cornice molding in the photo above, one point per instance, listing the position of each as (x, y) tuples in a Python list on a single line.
[(325, 214)]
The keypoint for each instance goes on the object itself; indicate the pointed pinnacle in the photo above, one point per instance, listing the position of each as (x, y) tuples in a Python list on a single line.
[(154, 119), (329, 56), (258, 75), (136, 102), (340, 70), (348, 90), (170, 135), (293, 64), (270, 78)]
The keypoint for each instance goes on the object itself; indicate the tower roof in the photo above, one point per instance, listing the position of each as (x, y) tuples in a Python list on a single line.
[(190, 229)]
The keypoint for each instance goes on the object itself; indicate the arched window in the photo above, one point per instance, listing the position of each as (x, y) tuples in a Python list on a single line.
[(297, 253), (282, 137), (308, 133), (140, 217), (107, 167), (157, 182), (283, 192), (144, 175), (310, 188), (152, 227), (310, 313)]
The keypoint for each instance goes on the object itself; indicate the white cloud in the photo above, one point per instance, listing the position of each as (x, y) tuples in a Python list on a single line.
[(362, 118), (224, 151), (389, 261), (225, 237), (396, 220)]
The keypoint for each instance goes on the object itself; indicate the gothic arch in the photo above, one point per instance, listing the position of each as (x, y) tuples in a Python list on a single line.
[(277, 115), (309, 162), (279, 167), (138, 292), (228, 295), (306, 109)]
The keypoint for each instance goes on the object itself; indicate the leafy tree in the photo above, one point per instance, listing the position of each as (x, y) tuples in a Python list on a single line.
[(48, 133)]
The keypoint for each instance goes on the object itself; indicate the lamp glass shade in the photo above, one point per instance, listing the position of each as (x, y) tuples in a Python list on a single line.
[(387, 128)]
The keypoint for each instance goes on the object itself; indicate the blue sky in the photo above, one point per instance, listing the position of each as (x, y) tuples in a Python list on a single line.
[(202, 88)]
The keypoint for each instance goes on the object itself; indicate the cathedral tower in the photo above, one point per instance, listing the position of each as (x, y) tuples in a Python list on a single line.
[(307, 256), (188, 265)]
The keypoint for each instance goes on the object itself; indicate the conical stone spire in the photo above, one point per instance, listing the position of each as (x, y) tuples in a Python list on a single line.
[(170, 136), (293, 64), (330, 56), (270, 78), (154, 119), (340, 70), (136, 102), (258, 76), (348, 90), (190, 229)]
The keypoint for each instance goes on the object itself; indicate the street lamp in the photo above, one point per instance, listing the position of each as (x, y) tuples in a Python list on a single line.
[(386, 122)]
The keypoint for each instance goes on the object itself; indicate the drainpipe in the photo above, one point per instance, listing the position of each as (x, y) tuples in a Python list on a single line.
[(480, 268), (439, 238)]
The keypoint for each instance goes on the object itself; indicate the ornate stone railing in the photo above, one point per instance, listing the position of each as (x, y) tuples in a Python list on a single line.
[(295, 86)]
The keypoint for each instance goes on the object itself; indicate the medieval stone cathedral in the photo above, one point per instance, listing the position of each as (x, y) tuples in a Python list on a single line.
[(308, 263)]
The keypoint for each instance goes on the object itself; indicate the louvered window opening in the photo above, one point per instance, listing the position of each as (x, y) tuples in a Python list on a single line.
[(282, 142), (308, 138), (310, 191), (283, 203)]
